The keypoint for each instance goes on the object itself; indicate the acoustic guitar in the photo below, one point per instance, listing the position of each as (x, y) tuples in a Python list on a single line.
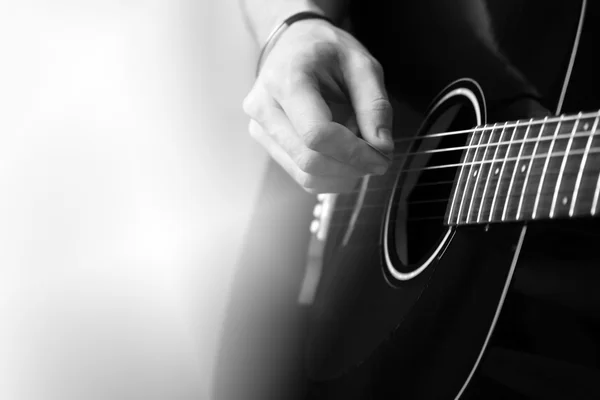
[(414, 266), (423, 256)]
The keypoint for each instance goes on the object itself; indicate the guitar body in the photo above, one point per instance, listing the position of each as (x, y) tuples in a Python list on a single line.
[(401, 304), (419, 292)]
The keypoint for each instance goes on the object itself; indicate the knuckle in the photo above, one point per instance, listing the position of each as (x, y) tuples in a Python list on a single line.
[(316, 53), (254, 129), (287, 79), (292, 81), (365, 63), (381, 104), (323, 51), (250, 104), (376, 67), (254, 106), (307, 162), (314, 138), (271, 79), (305, 180)]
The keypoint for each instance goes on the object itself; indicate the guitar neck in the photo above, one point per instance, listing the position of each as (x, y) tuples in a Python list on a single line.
[(529, 170)]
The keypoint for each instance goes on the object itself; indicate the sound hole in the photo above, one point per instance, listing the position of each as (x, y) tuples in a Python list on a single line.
[(425, 186)]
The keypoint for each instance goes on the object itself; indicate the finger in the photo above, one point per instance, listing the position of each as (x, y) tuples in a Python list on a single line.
[(364, 79), (279, 128), (321, 185), (311, 119), (273, 119), (310, 183)]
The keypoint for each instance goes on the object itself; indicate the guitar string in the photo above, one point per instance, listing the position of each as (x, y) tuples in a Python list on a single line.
[(564, 136), (518, 123), (546, 155), (438, 217), (376, 189), (591, 150), (371, 222), (491, 128), (478, 197), (447, 182)]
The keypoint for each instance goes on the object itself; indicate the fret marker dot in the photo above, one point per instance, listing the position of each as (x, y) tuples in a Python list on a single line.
[(497, 171), (586, 126), (523, 167), (565, 200), (475, 173)]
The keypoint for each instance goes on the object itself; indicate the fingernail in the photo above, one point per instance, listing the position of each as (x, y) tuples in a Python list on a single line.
[(384, 134)]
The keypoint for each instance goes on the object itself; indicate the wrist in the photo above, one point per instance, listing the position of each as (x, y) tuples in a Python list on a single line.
[(278, 13), (285, 25)]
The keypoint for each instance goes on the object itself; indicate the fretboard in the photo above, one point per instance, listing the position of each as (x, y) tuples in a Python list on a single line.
[(529, 170)]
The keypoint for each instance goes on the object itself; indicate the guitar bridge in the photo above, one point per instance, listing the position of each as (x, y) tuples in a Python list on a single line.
[(319, 228)]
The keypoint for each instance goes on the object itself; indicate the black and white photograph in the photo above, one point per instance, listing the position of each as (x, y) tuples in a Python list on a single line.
[(299, 200)]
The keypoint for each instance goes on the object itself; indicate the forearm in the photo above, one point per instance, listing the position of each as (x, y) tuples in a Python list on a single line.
[(263, 16)]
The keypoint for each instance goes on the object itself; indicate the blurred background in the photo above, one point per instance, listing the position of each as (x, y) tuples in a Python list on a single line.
[(127, 180)]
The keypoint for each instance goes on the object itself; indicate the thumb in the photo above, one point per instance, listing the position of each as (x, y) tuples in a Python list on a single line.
[(374, 113)]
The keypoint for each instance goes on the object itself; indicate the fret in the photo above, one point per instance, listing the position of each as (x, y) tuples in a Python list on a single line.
[(515, 167), (466, 161), (491, 169), (554, 183), (500, 175), (473, 171), (544, 170), (569, 169), (517, 173), (561, 172), (582, 165), (594, 209), (523, 204), (490, 143), (589, 180)]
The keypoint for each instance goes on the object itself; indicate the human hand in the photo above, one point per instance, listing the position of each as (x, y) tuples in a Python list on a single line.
[(319, 89)]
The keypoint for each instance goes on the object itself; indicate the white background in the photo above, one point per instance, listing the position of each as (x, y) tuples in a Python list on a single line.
[(126, 183)]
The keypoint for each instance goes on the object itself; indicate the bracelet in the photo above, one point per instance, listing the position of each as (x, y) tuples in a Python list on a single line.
[(288, 21)]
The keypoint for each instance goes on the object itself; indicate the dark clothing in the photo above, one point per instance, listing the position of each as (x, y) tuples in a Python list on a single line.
[(523, 47)]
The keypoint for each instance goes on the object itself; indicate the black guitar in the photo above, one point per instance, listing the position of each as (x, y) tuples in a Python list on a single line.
[(407, 276)]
